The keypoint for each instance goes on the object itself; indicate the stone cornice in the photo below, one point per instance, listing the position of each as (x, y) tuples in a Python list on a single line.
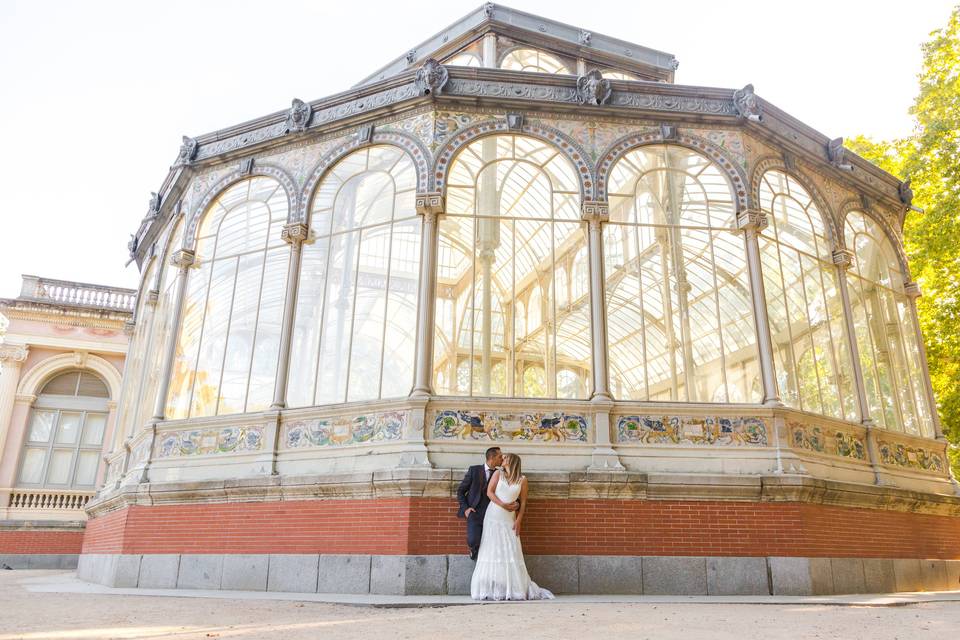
[(442, 483), (469, 87), (63, 313)]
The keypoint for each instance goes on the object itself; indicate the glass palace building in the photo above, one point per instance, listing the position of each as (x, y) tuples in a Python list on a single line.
[(690, 313)]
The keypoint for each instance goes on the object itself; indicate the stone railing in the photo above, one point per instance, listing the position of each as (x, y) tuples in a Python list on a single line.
[(41, 499), (77, 294)]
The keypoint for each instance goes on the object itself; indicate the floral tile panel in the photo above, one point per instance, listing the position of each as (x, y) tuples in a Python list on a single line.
[(454, 424), (344, 430), (899, 455), (827, 440), (210, 441), (692, 430)]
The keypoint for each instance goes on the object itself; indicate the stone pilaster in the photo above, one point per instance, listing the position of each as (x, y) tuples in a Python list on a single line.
[(12, 357)]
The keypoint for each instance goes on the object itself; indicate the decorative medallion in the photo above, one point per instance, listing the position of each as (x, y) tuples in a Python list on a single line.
[(593, 88), (298, 118), (431, 77)]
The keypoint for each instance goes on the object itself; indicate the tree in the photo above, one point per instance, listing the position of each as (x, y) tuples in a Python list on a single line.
[(930, 157)]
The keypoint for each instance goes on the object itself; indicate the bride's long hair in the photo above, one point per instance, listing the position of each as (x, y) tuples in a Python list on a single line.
[(511, 461)]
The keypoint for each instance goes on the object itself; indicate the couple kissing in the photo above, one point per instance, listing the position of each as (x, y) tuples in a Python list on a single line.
[(493, 499)]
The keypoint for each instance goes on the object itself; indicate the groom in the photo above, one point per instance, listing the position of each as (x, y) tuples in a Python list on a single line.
[(472, 495)]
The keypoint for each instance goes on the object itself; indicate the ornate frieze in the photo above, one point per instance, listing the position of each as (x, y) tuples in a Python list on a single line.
[(345, 430), (210, 441), (554, 427), (692, 430), (895, 454), (827, 440)]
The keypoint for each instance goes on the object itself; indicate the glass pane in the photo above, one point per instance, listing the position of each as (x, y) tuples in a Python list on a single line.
[(86, 473), (62, 385), (59, 471), (93, 429), (92, 386), (32, 470), (41, 425), (69, 427)]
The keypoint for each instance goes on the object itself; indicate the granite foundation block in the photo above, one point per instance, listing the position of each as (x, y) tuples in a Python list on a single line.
[(878, 575), (675, 575), (559, 574), (907, 574), (344, 574), (848, 575), (737, 577), (200, 571), (242, 572), (159, 571), (933, 575), (790, 576), (611, 575), (294, 573)]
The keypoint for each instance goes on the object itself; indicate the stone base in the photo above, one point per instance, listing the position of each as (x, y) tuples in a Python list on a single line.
[(39, 561), (450, 574)]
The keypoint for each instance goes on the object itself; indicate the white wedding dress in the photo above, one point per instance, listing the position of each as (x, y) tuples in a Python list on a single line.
[(501, 573)]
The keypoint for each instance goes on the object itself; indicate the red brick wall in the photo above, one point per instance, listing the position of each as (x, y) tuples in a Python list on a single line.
[(425, 526), (28, 541)]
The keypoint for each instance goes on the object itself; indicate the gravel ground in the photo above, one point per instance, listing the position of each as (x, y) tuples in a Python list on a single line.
[(36, 616)]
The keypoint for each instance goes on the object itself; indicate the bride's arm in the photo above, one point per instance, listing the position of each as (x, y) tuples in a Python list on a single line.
[(492, 489), (523, 505)]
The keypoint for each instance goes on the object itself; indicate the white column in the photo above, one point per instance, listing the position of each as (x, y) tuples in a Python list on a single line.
[(12, 358), (293, 234), (842, 258), (912, 290), (184, 260), (430, 206), (752, 222), (490, 51), (604, 458)]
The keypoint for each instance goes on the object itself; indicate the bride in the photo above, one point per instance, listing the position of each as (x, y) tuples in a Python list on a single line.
[(501, 573)]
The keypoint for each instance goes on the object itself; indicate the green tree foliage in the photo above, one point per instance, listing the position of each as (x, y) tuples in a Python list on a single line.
[(930, 157)]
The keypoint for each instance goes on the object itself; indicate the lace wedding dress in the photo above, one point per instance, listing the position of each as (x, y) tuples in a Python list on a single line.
[(501, 573)]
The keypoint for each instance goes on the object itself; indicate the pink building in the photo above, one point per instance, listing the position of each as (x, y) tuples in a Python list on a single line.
[(62, 350)]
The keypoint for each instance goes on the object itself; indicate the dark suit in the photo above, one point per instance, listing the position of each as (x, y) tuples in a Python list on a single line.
[(472, 494)]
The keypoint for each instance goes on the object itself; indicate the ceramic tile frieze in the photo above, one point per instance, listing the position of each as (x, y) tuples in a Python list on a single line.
[(827, 440), (140, 452), (210, 441), (553, 427), (692, 430), (895, 454), (344, 430)]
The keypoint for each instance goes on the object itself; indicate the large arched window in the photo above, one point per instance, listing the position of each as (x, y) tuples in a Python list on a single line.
[(65, 434), (533, 60), (886, 335), (811, 354), (679, 312), (512, 225), (228, 344), (356, 318), (154, 323)]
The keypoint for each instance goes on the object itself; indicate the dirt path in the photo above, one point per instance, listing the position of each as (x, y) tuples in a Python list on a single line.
[(36, 616)]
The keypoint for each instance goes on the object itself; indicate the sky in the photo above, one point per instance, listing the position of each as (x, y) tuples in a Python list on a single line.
[(95, 95)]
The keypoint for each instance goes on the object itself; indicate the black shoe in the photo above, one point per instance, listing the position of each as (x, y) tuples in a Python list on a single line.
[(473, 555)]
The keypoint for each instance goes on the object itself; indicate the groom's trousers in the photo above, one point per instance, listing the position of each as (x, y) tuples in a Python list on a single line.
[(475, 530)]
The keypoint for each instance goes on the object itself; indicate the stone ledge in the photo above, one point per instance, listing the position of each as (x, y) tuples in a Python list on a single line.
[(450, 574), (442, 483)]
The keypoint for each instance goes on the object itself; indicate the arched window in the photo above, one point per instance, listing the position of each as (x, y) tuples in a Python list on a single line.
[(154, 323), (356, 318), (679, 311), (814, 370), (885, 331), (229, 338), (65, 434), (464, 59), (533, 60), (513, 218)]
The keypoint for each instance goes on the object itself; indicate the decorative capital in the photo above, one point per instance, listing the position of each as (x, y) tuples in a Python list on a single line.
[(912, 289), (294, 233), (15, 353), (298, 117), (153, 296), (843, 258), (430, 203), (593, 88), (188, 151), (24, 398), (746, 104), (594, 211), (129, 326), (183, 258), (752, 220), (836, 154), (431, 77)]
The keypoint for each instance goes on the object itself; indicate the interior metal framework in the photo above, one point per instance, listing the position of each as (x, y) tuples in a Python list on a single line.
[(525, 232)]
